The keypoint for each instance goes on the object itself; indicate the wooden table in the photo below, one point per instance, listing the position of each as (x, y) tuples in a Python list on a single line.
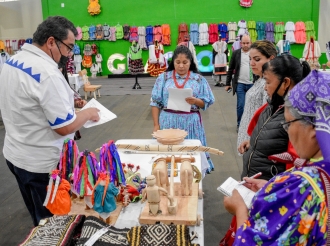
[(129, 216)]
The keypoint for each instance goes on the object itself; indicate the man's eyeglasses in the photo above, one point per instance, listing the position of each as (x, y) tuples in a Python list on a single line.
[(68, 47), (286, 125)]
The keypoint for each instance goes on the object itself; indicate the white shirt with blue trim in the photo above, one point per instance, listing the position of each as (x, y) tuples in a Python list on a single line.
[(35, 99)]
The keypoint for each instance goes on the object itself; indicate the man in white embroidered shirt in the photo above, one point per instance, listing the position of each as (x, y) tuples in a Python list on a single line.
[(37, 107)]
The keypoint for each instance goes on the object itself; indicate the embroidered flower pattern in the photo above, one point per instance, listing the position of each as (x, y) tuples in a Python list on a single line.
[(279, 217)]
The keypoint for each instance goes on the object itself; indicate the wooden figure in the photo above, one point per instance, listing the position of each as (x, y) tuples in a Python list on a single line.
[(151, 193), (186, 177), (160, 172)]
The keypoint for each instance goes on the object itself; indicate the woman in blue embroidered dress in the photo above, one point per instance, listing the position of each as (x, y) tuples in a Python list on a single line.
[(182, 73), (292, 209)]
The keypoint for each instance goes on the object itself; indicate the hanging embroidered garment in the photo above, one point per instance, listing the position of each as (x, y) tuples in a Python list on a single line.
[(242, 28), (133, 34), (106, 32), (300, 32), (232, 28), (142, 37), (260, 28), (158, 35), (252, 30), (126, 29), (99, 32), (270, 32), (183, 32), (289, 35), (194, 34), (203, 34), (113, 34), (166, 31), (310, 32), (279, 31), (223, 31), (119, 32), (149, 35), (85, 35), (91, 32), (213, 33)]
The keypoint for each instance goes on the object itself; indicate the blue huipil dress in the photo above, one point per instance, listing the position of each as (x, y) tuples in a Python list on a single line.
[(192, 123)]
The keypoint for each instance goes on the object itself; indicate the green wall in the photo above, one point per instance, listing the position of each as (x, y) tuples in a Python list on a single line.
[(173, 12)]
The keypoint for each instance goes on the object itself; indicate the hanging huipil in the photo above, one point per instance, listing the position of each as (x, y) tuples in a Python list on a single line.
[(133, 34), (223, 31), (260, 28), (203, 34), (166, 31), (149, 35), (232, 28), (289, 35), (270, 32), (112, 36), (194, 34), (252, 30), (279, 31), (158, 34), (213, 33), (310, 32), (142, 37), (242, 28), (300, 32), (106, 32)]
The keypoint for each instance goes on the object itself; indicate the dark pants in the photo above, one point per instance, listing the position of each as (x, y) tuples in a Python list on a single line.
[(241, 91), (33, 187)]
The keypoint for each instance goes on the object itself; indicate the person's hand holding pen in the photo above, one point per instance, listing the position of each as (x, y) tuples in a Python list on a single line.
[(253, 183)]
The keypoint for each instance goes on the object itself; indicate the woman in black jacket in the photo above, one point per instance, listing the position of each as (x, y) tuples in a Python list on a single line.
[(268, 136)]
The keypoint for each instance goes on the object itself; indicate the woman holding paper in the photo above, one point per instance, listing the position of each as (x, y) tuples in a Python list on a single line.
[(182, 74), (292, 207)]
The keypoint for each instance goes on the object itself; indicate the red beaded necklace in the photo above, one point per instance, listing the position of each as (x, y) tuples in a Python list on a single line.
[(176, 82)]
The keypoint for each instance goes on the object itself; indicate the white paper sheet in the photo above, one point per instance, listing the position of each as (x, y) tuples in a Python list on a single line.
[(177, 99), (230, 184), (105, 114)]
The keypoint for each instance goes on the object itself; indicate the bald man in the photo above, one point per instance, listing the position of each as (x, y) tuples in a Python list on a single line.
[(243, 78)]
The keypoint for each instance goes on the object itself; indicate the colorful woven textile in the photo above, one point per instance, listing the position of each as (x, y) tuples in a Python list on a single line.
[(113, 237), (160, 235), (58, 230)]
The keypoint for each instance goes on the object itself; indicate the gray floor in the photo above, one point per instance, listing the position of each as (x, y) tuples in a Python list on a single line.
[(135, 122)]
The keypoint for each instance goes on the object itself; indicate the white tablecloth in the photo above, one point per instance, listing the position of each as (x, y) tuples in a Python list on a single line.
[(75, 81), (130, 216)]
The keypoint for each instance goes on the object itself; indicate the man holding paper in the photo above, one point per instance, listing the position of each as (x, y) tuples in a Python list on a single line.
[(178, 95), (37, 106)]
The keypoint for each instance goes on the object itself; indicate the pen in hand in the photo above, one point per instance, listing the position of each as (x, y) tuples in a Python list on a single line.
[(252, 177)]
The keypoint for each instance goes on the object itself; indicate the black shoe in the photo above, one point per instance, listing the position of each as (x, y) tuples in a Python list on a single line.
[(219, 84)]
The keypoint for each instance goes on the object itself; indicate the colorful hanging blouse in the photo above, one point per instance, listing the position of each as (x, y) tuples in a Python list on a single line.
[(287, 211)]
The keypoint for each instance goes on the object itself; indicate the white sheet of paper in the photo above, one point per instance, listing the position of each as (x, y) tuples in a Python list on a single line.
[(176, 99), (230, 184), (105, 114)]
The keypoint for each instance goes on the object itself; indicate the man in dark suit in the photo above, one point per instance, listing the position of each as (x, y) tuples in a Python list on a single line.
[(243, 78)]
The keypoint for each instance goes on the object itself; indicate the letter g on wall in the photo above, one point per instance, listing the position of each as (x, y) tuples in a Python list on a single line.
[(121, 67)]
